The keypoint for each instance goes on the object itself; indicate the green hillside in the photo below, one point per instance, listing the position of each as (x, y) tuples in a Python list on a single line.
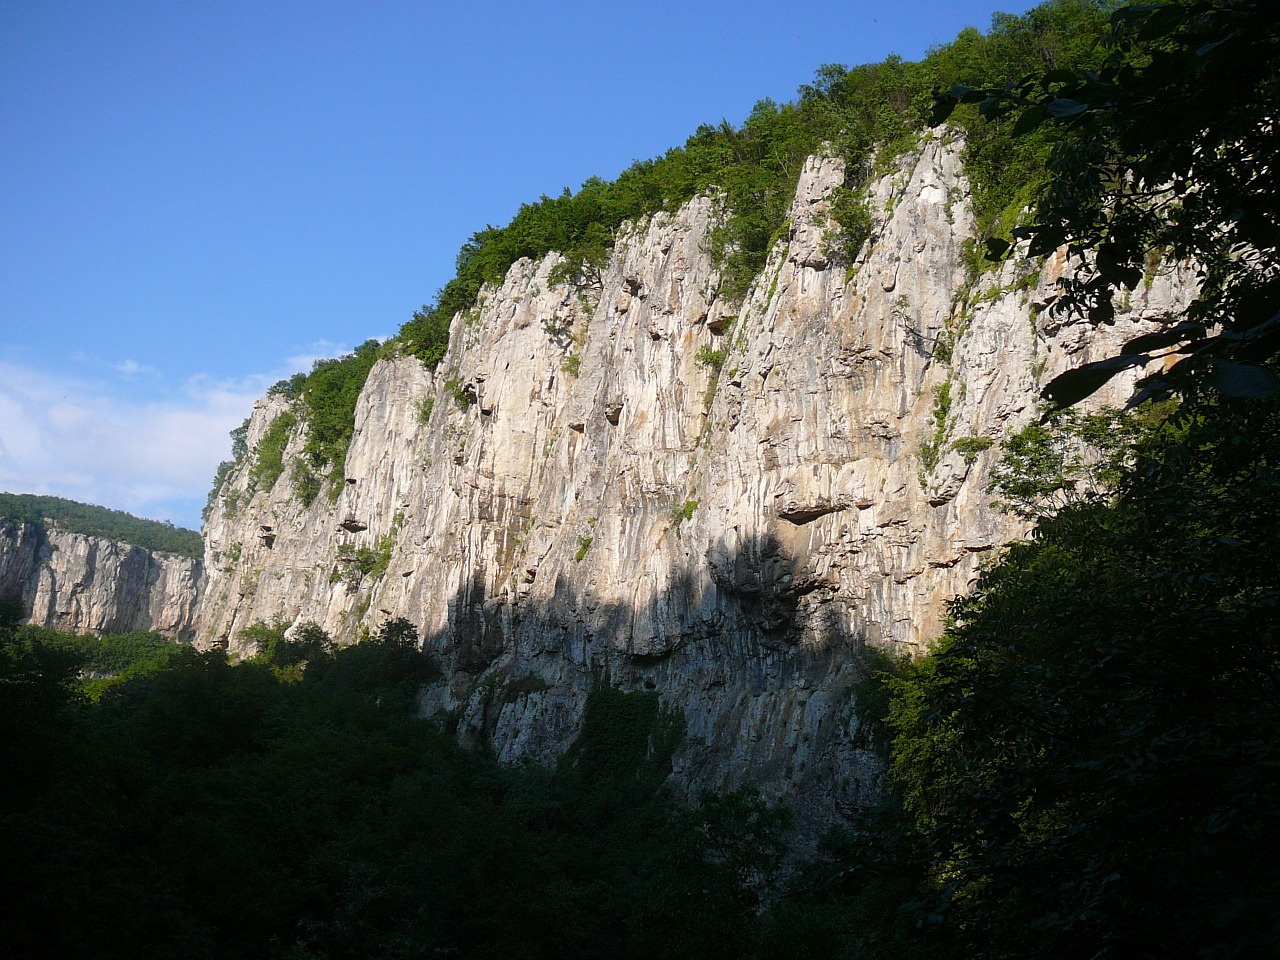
[(95, 521)]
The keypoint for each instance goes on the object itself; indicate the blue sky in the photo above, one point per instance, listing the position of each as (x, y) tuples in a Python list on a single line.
[(201, 198)]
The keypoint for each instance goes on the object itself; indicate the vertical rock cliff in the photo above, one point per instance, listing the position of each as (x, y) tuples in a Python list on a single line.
[(643, 482), (82, 584)]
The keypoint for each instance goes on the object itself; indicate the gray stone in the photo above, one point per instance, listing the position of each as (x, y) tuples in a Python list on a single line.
[(81, 584)]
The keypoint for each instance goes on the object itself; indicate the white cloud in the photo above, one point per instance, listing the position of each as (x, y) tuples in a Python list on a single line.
[(153, 455), (131, 368)]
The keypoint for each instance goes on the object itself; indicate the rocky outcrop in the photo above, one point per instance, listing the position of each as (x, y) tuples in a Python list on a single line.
[(722, 502), (82, 584)]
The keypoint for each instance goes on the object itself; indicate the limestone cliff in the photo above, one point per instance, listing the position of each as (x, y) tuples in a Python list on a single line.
[(82, 584), (723, 502)]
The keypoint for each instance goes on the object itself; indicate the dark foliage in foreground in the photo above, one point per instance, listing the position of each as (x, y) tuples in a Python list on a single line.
[(296, 806), (1091, 754)]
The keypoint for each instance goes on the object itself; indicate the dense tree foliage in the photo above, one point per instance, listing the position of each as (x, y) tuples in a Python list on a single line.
[(1069, 457), (1093, 750), (102, 662), (94, 521), (1168, 151), (295, 805), (326, 399), (324, 404)]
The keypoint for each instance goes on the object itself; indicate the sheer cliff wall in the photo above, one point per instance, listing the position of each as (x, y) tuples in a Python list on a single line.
[(82, 584), (642, 482)]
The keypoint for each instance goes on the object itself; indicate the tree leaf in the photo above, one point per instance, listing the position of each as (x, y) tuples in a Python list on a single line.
[(1161, 21), (1065, 107), (997, 249), (1103, 311), (943, 106), (1031, 118), (1058, 76), (1244, 380)]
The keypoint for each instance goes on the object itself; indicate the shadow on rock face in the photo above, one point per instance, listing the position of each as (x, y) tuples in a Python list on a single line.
[(762, 666)]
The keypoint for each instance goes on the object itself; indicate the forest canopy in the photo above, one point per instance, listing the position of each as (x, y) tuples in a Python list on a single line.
[(296, 805)]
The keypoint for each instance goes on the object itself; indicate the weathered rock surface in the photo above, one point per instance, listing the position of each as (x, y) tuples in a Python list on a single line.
[(723, 503), (82, 584)]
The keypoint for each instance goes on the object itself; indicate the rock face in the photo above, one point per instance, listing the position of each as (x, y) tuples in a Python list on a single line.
[(82, 584), (642, 482)]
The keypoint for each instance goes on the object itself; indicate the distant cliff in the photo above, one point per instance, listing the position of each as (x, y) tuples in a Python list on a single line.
[(79, 583), (648, 481)]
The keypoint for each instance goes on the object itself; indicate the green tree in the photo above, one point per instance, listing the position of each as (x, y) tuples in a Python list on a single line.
[(1093, 744), (267, 468), (1069, 457), (1168, 151)]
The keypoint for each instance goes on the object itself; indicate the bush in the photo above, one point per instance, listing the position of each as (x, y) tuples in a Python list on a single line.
[(270, 463), (356, 563), (970, 447), (712, 359)]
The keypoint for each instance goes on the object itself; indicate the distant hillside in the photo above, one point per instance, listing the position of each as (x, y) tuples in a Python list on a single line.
[(97, 521)]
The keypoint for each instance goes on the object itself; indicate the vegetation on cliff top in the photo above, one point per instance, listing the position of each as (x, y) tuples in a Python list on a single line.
[(868, 112), (324, 404), (326, 399), (94, 521)]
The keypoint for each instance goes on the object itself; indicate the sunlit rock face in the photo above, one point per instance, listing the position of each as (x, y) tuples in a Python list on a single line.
[(644, 483), (81, 584)]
